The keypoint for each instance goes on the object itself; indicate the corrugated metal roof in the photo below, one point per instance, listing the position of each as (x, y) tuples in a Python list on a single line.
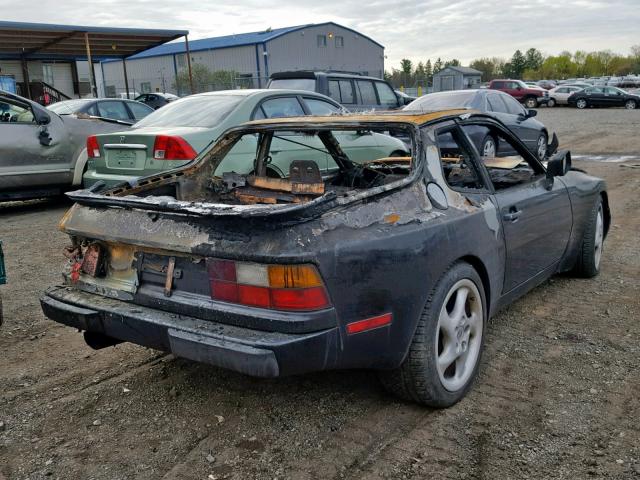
[(52, 41), (237, 40)]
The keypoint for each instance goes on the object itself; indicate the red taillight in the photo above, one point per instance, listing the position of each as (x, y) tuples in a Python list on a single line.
[(276, 287), (168, 147), (93, 149)]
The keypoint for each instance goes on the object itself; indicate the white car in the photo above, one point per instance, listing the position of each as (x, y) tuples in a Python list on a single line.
[(559, 95)]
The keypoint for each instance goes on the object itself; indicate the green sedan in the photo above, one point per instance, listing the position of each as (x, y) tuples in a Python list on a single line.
[(175, 134)]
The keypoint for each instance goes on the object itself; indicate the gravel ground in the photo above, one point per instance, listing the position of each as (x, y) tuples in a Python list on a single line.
[(599, 131), (558, 395)]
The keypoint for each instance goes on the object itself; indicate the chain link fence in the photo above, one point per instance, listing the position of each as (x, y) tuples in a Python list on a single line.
[(181, 86)]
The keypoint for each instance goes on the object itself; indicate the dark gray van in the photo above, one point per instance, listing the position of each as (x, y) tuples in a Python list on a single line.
[(353, 91)]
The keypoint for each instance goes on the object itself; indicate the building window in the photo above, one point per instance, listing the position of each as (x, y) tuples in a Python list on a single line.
[(339, 41), (47, 73), (145, 87), (181, 61), (322, 41)]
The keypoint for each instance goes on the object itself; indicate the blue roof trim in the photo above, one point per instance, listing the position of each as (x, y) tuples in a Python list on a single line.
[(228, 41), (5, 25)]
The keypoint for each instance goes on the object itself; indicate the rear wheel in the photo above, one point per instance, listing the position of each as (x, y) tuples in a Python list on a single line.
[(630, 105), (551, 103), (531, 102), (445, 352), (590, 254), (581, 103), (489, 147)]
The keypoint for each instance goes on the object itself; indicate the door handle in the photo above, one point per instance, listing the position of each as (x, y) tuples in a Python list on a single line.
[(512, 215)]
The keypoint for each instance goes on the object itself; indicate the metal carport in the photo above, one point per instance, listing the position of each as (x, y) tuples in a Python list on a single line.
[(40, 41)]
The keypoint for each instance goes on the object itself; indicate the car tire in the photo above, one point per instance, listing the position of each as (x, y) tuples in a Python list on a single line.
[(424, 376), (551, 103), (531, 102), (630, 105), (488, 144), (590, 253), (541, 146), (581, 103)]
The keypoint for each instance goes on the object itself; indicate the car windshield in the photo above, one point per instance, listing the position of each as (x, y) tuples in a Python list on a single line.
[(68, 106), (440, 101), (294, 84), (197, 111)]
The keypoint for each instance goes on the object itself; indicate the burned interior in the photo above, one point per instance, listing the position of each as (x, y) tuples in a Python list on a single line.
[(285, 164)]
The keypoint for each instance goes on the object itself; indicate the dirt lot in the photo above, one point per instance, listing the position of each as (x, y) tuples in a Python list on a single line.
[(558, 395), (598, 131)]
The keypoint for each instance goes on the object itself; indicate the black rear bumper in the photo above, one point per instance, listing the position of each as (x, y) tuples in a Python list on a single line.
[(252, 352)]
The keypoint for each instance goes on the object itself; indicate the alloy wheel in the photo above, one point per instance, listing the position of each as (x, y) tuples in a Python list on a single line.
[(489, 148), (459, 335), (542, 147), (630, 105), (582, 103), (599, 239)]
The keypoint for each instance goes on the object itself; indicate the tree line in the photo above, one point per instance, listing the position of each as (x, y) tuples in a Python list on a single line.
[(530, 65)]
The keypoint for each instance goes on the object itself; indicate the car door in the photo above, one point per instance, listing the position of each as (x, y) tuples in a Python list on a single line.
[(114, 110), (138, 110), (387, 97), (31, 155), (614, 97), (367, 96), (595, 96), (498, 108), (535, 214), (525, 127)]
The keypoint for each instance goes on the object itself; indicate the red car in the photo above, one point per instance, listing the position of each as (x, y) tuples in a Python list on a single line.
[(531, 96)]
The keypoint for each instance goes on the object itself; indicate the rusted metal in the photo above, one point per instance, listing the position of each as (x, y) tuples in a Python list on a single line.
[(168, 283)]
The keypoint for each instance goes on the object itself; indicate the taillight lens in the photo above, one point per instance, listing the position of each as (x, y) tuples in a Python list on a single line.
[(167, 147), (93, 148), (276, 287)]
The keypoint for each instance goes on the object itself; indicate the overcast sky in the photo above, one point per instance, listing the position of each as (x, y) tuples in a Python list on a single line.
[(414, 29)]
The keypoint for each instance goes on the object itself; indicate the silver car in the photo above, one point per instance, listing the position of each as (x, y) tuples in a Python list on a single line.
[(559, 95), (41, 153)]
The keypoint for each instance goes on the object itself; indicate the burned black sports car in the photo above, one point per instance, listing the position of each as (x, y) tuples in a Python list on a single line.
[(349, 261)]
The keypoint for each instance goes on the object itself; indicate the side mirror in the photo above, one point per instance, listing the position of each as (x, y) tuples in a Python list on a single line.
[(42, 117), (531, 113), (559, 164), (518, 88)]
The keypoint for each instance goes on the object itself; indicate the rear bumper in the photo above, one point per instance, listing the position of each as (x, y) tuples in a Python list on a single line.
[(91, 176), (252, 352)]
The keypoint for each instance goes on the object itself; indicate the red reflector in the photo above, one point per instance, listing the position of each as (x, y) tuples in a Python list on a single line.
[(254, 296), (369, 324), (167, 147), (299, 298), (224, 291)]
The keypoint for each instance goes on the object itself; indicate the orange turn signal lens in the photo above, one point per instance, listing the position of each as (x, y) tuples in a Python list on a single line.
[(294, 276)]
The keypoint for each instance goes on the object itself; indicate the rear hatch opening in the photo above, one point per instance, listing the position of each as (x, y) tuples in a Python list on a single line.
[(266, 165)]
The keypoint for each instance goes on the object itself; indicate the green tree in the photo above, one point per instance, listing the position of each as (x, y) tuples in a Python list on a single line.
[(452, 63), (437, 66), (428, 69), (204, 80), (517, 65), (533, 59)]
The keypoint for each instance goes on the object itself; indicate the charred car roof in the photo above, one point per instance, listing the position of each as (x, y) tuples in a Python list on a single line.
[(406, 117)]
